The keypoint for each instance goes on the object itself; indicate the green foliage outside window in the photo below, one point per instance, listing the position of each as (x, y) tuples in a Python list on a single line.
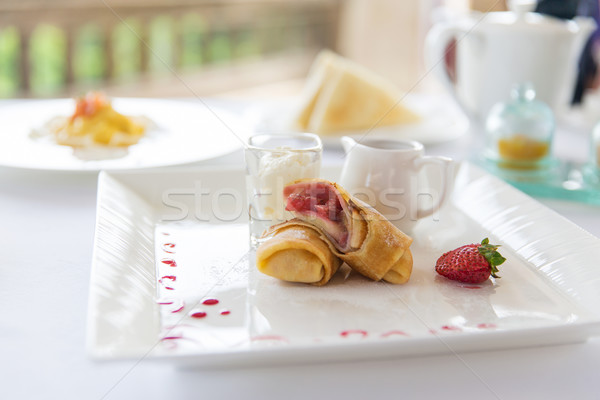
[(172, 43), (47, 58), (9, 61)]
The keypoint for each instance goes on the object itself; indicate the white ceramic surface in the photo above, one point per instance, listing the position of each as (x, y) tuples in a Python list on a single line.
[(147, 221), (497, 50), (182, 132), (388, 175), (441, 121)]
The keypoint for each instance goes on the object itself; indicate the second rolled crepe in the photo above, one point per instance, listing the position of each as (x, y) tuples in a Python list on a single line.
[(356, 233), (297, 253)]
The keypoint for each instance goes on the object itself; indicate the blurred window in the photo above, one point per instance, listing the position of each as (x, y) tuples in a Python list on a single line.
[(141, 47)]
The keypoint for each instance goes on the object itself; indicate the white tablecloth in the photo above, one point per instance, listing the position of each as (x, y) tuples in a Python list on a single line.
[(46, 235)]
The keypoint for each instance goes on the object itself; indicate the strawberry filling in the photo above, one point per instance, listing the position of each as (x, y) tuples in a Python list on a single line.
[(319, 203)]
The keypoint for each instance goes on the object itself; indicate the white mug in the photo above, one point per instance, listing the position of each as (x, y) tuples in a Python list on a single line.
[(386, 174)]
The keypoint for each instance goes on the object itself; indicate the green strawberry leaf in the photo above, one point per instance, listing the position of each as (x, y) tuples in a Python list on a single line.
[(490, 253)]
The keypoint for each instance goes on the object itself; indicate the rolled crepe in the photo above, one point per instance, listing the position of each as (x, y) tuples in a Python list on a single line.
[(297, 253), (356, 233)]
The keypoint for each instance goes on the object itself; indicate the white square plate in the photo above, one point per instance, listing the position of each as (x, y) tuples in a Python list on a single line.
[(172, 278)]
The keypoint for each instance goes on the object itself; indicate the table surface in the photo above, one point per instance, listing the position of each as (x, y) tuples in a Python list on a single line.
[(47, 234)]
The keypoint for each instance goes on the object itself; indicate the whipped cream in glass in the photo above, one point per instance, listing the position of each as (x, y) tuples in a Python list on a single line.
[(272, 162)]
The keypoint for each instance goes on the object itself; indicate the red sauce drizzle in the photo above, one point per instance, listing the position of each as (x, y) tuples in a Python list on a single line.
[(169, 301), (210, 302), (354, 332), (198, 314), (179, 308), (169, 342), (269, 337), (486, 326), (171, 278), (450, 328), (394, 333), (169, 261), (225, 312), (171, 337), (168, 247)]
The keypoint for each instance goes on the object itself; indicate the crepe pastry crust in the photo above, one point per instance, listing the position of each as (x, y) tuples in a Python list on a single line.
[(342, 96), (297, 253), (401, 270), (355, 232)]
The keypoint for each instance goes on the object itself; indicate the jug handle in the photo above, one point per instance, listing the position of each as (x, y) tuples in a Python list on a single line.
[(436, 45), (447, 166), (348, 143)]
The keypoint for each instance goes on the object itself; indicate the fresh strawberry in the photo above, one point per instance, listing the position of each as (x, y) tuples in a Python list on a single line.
[(471, 263)]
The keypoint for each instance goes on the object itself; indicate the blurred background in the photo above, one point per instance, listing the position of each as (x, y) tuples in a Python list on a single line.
[(160, 48)]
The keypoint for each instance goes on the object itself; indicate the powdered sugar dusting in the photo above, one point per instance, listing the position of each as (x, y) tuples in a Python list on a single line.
[(390, 239)]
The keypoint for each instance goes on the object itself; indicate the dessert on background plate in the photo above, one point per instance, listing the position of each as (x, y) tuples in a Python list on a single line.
[(95, 122), (341, 96)]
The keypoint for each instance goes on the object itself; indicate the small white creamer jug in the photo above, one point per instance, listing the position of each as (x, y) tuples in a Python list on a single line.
[(387, 174)]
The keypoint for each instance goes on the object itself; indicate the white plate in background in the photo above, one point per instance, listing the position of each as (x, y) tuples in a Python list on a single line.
[(144, 307), (182, 132)]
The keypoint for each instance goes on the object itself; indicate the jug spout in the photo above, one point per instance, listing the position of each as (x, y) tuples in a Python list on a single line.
[(347, 143)]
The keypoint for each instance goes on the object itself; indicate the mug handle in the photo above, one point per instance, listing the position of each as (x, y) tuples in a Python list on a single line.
[(436, 46), (447, 166)]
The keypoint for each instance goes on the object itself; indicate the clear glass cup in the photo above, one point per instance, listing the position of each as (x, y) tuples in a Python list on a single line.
[(272, 162)]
